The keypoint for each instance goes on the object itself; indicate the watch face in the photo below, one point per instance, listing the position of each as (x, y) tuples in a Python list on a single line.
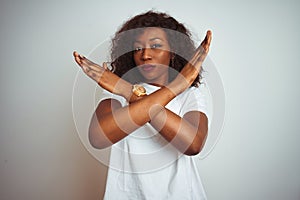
[(139, 90)]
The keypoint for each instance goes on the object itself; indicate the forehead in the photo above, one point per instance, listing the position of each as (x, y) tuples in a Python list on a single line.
[(151, 33)]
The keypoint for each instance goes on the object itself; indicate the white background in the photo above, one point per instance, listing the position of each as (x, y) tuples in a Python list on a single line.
[(255, 49)]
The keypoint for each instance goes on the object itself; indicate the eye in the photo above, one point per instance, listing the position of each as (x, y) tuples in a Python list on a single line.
[(155, 46), (136, 49)]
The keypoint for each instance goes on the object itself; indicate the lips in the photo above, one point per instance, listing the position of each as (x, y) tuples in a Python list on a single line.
[(147, 67)]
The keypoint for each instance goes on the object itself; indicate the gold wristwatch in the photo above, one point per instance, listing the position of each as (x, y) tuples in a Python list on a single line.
[(138, 90)]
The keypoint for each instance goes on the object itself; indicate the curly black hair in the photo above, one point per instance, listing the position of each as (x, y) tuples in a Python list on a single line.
[(179, 38)]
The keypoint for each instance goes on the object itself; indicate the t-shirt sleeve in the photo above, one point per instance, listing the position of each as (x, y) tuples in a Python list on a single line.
[(104, 94), (194, 99)]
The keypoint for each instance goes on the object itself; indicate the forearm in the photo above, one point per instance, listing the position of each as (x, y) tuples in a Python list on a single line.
[(115, 125), (182, 134), (187, 137), (107, 128)]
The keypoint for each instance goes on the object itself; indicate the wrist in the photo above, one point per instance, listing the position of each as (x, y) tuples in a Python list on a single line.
[(127, 92), (178, 85), (137, 92)]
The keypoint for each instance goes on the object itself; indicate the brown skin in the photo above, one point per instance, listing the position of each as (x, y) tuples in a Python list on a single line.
[(111, 122), (152, 47)]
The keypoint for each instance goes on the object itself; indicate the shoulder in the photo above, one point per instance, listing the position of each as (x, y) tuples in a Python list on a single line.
[(106, 95), (194, 93), (193, 99)]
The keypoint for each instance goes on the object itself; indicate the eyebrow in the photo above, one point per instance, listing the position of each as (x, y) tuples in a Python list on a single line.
[(155, 38)]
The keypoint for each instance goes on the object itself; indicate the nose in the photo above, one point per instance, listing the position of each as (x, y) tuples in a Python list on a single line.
[(146, 54)]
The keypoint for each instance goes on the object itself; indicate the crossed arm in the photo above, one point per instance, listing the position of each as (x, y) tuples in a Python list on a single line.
[(111, 122)]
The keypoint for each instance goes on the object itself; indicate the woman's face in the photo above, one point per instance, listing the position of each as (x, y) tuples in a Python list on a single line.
[(152, 55)]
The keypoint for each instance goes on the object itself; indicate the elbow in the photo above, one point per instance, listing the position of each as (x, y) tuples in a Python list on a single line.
[(197, 145), (195, 148), (97, 144), (97, 140)]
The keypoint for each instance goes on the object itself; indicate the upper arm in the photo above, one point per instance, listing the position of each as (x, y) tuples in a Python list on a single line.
[(198, 120), (107, 106), (96, 135)]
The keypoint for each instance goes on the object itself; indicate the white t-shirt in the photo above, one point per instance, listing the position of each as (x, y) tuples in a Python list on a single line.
[(144, 166)]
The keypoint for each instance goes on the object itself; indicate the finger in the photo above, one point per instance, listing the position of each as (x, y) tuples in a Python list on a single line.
[(207, 40), (85, 69), (78, 61), (203, 48), (198, 63), (199, 51), (104, 65), (75, 54), (91, 65), (197, 60), (77, 58)]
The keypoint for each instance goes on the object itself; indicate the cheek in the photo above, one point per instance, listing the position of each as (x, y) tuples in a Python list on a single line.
[(165, 58), (136, 59)]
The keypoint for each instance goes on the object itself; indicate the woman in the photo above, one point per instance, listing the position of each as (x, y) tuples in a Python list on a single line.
[(153, 114)]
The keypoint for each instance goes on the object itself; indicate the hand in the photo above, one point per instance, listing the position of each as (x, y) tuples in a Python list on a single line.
[(192, 69), (91, 69), (98, 73), (104, 77), (201, 51)]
